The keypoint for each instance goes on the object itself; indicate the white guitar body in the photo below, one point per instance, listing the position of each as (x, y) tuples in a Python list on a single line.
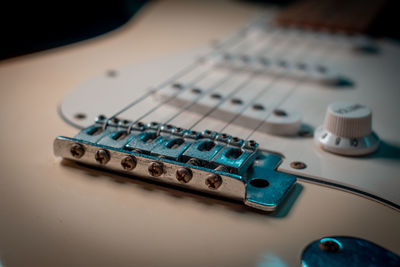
[(61, 214), (376, 174)]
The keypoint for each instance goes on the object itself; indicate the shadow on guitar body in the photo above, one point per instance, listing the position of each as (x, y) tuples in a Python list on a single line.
[(183, 193)]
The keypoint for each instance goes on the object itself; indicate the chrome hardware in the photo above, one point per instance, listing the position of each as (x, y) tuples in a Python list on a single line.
[(184, 175), (207, 161), (156, 169), (77, 151), (102, 156), (347, 251), (128, 163)]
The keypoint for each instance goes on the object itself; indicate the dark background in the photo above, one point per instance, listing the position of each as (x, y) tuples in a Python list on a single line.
[(28, 27)]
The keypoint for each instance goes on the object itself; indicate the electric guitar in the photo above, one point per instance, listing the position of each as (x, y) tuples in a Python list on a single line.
[(256, 149)]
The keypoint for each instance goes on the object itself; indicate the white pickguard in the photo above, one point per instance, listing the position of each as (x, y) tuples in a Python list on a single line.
[(376, 85)]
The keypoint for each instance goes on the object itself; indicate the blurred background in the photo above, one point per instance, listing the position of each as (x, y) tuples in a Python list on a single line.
[(33, 26)]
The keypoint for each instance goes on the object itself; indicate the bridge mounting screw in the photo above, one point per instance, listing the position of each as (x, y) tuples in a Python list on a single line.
[(329, 246), (213, 181), (102, 156), (156, 169), (128, 163), (77, 151), (184, 175)]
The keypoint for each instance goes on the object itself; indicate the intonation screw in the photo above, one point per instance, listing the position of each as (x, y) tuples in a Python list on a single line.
[(329, 246), (77, 151), (128, 163), (184, 175), (102, 156), (156, 169), (213, 181)]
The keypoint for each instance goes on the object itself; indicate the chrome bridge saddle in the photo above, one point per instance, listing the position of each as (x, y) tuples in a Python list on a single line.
[(207, 161)]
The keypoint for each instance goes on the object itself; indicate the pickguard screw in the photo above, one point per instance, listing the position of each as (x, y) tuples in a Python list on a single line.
[(77, 151), (102, 156), (329, 246), (128, 163), (298, 165), (184, 175), (213, 181), (156, 169)]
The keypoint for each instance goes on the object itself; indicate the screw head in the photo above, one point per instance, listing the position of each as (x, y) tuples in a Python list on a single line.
[(128, 163), (298, 165), (77, 151), (329, 246), (102, 156), (213, 181), (184, 175), (194, 161), (156, 169), (252, 143)]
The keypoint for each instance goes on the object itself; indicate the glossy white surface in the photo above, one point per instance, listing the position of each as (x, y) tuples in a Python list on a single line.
[(55, 213), (375, 174)]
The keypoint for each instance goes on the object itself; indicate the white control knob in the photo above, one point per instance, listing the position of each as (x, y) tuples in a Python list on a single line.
[(347, 130)]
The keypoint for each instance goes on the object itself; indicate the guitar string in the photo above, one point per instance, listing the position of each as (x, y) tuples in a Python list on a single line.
[(191, 85), (262, 50), (230, 41), (296, 86), (252, 101), (273, 81), (237, 37), (237, 89), (187, 106), (173, 96), (277, 79)]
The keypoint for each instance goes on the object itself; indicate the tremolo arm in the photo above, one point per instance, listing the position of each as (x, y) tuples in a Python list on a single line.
[(209, 162)]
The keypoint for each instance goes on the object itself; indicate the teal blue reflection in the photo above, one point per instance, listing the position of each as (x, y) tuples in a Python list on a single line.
[(332, 240), (270, 260)]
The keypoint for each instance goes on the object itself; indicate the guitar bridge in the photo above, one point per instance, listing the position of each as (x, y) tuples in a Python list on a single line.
[(207, 161)]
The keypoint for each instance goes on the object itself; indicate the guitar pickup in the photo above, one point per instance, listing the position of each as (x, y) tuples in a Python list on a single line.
[(209, 162), (257, 64)]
